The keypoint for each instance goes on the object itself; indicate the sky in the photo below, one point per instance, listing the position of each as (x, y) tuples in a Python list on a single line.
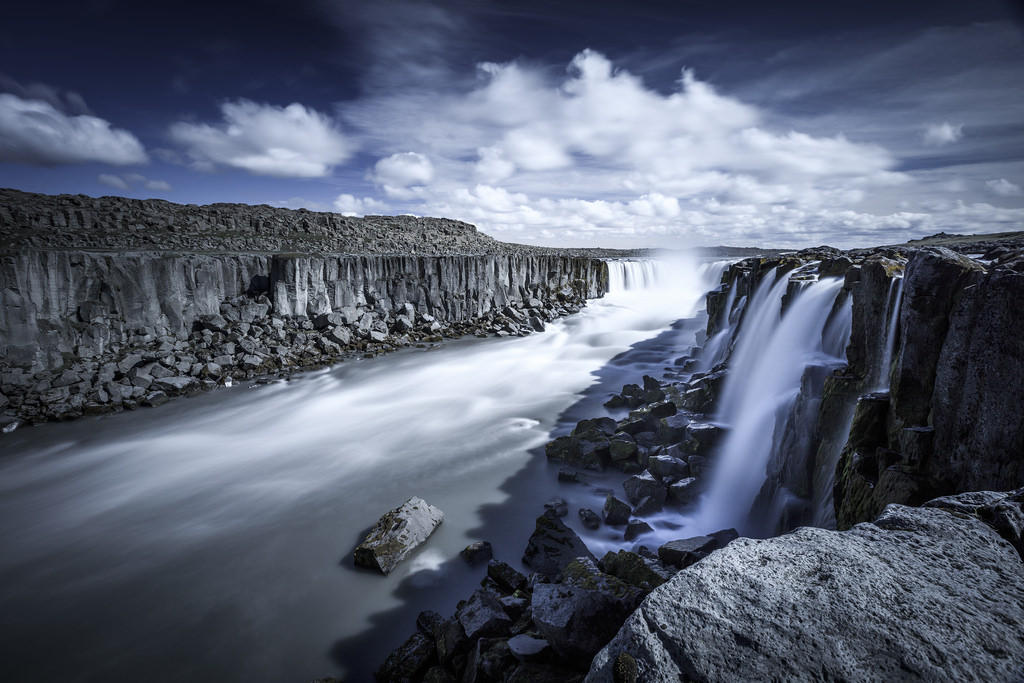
[(788, 123)]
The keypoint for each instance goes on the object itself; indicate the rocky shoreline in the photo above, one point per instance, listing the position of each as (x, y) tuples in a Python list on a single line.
[(711, 607), (109, 304)]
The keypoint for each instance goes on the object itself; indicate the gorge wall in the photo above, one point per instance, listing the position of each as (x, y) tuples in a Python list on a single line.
[(926, 403), (94, 316)]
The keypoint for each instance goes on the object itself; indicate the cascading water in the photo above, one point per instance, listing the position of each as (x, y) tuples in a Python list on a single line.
[(767, 364), (895, 298), (201, 540)]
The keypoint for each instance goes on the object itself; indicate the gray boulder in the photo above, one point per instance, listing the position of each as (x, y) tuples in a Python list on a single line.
[(921, 594), (397, 534)]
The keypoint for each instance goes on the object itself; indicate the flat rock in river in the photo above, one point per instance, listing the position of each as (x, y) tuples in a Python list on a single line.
[(397, 534)]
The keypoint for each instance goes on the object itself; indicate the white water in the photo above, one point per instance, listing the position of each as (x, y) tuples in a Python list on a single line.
[(764, 380), (895, 298), (202, 540)]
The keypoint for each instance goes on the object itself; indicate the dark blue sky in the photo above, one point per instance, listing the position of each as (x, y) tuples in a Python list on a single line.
[(613, 123)]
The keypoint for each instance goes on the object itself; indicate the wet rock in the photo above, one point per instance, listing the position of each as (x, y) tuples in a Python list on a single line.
[(636, 528), (666, 467), (673, 429), (615, 511), (684, 552), (877, 600), (621, 446), (508, 578), (451, 641), (684, 491), (488, 661), (477, 552), (577, 617), (527, 648), (483, 616), (590, 519), (643, 572), (646, 506), (557, 505), (644, 485), (409, 661), (569, 475), (552, 546), (397, 534)]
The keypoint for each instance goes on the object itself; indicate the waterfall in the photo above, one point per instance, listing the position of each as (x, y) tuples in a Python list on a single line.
[(770, 358), (625, 275), (894, 300)]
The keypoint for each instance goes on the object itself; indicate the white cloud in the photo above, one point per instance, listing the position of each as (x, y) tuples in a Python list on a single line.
[(350, 205), (287, 142), (35, 132), (404, 170), (937, 135), (1004, 188)]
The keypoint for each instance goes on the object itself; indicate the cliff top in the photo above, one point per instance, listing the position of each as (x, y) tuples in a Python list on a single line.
[(80, 222)]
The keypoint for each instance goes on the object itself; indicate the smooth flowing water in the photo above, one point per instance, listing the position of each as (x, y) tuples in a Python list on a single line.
[(211, 539), (772, 352)]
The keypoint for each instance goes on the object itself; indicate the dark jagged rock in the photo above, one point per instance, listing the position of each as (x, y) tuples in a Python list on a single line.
[(636, 528), (615, 511), (506, 576), (552, 546), (577, 617), (590, 519), (477, 552), (483, 616), (636, 570), (409, 661)]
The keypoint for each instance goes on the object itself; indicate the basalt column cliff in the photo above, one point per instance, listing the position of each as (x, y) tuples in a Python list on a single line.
[(109, 303)]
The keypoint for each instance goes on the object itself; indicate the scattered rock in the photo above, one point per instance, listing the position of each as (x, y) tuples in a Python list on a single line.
[(477, 552), (615, 511), (397, 534)]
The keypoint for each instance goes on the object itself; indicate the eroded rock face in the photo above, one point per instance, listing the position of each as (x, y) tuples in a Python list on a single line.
[(921, 594), (397, 534)]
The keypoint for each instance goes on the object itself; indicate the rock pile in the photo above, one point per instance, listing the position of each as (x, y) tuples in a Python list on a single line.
[(546, 626), (246, 339), (663, 444)]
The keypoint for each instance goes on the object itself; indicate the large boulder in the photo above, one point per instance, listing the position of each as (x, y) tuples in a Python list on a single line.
[(397, 534), (921, 594)]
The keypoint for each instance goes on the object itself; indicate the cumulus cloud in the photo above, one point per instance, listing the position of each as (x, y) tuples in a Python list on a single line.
[(597, 153), (36, 132), (1003, 188), (937, 135), (263, 139), (350, 205), (404, 170)]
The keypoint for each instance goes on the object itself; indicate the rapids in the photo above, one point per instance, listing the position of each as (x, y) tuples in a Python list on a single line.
[(211, 539)]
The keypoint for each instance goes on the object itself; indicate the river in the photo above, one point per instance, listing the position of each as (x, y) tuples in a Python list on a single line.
[(210, 539)]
